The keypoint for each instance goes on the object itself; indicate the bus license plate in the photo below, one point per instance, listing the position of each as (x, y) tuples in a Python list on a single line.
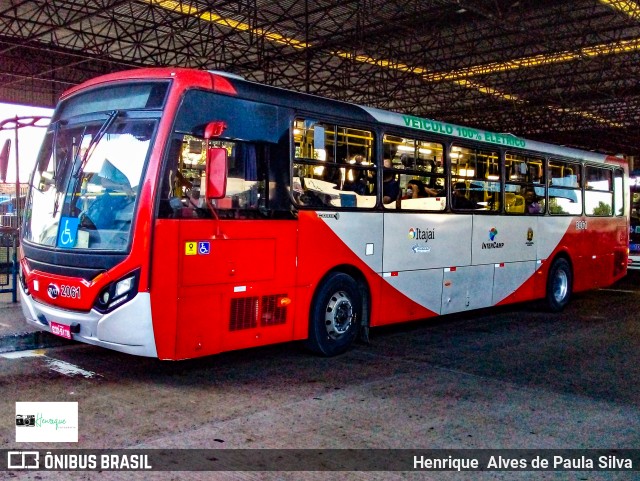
[(60, 330)]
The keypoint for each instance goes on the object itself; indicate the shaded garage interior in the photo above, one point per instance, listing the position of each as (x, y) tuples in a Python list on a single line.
[(560, 71)]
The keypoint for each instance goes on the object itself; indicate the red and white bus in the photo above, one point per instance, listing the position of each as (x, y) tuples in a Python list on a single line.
[(176, 213)]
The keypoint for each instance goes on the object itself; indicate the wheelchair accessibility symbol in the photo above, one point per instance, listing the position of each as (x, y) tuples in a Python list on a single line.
[(204, 248), (68, 232)]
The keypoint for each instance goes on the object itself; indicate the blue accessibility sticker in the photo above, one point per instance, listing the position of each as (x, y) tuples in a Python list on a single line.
[(68, 232), (204, 248)]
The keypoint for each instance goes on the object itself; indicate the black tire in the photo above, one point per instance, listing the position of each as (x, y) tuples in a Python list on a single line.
[(559, 285), (336, 314)]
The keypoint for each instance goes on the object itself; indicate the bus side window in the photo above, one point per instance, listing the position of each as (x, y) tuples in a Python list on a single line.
[(186, 178), (333, 166), (413, 174), (182, 190), (479, 170), (175, 183), (565, 193), (524, 184), (598, 195)]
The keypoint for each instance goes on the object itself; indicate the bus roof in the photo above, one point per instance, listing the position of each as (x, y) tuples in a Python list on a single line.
[(230, 84), (498, 139)]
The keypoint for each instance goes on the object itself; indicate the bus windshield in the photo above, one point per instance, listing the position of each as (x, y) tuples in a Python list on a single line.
[(87, 176), (86, 182)]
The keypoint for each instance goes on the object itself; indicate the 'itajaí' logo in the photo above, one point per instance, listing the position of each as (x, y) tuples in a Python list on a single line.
[(493, 244), (415, 233)]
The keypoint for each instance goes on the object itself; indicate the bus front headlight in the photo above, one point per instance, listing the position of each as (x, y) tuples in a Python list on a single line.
[(118, 292)]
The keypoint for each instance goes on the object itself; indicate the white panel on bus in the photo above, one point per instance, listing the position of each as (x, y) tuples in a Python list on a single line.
[(425, 241), (361, 232), (552, 230), (423, 287), (501, 238), (465, 288), (509, 276)]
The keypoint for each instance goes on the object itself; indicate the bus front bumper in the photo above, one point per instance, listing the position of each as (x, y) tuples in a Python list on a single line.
[(127, 329)]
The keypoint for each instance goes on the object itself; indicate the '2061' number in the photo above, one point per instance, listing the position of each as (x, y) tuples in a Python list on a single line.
[(581, 225), (70, 291)]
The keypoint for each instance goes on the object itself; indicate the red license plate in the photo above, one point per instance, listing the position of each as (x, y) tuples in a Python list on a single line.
[(60, 330)]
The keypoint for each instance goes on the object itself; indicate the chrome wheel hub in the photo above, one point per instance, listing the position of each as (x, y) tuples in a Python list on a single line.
[(339, 315), (560, 285)]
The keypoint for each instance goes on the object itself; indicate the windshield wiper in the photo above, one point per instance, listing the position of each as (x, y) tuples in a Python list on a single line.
[(57, 170), (95, 140)]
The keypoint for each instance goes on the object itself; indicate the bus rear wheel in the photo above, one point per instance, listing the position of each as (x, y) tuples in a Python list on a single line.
[(559, 285), (335, 315)]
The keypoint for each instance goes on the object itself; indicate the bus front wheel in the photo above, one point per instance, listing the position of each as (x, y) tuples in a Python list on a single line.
[(559, 285), (335, 315)]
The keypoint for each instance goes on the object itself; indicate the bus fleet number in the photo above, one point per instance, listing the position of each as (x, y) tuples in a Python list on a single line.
[(70, 291), (581, 225)]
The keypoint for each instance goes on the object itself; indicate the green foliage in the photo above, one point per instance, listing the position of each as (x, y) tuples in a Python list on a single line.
[(602, 209), (554, 208)]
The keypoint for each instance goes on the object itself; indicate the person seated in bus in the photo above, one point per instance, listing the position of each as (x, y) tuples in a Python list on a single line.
[(531, 205), (417, 190), (358, 180), (195, 199), (390, 184), (331, 173), (459, 199)]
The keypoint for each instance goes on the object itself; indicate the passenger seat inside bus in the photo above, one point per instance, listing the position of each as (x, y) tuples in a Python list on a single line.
[(513, 203)]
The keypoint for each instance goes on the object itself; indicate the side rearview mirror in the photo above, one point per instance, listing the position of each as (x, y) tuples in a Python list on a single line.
[(4, 160), (216, 168), (216, 172)]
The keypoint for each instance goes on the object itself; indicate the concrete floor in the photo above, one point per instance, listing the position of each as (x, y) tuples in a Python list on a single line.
[(513, 378)]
